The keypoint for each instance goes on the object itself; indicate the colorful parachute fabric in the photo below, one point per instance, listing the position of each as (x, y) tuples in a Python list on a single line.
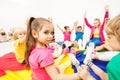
[(10, 69)]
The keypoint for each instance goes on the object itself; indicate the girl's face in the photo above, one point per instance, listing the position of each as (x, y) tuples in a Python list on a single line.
[(113, 42), (68, 29), (45, 35), (96, 23), (21, 34)]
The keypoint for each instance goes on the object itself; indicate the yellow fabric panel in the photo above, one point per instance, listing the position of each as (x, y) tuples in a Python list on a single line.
[(69, 69), (17, 75)]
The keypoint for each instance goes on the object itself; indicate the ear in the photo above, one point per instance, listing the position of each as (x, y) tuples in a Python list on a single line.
[(34, 33)]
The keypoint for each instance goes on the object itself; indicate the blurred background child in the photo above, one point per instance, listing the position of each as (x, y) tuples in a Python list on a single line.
[(19, 43), (67, 33), (3, 35), (97, 35)]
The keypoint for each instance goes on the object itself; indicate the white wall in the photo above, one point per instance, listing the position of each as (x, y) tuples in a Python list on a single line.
[(13, 13)]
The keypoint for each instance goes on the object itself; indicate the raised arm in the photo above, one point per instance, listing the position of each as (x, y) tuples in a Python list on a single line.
[(72, 29), (75, 25), (106, 16), (83, 27), (60, 28), (106, 11), (86, 21)]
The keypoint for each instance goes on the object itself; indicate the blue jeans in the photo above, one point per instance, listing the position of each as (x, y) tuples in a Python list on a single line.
[(96, 41)]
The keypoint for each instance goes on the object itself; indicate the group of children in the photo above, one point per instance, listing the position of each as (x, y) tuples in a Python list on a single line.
[(31, 48), (44, 63)]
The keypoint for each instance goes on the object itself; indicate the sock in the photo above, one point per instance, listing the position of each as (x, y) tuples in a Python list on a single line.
[(74, 60), (80, 44), (88, 55), (89, 64)]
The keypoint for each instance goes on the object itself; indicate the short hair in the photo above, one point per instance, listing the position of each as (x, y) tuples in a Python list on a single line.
[(113, 27), (65, 27)]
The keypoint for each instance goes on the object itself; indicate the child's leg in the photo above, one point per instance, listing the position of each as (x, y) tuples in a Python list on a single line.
[(88, 55), (96, 41), (80, 44), (98, 71), (74, 60), (106, 56)]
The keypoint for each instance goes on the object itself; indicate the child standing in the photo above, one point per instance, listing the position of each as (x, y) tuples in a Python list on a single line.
[(19, 43), (38, 55), (67, 32), (97, 36)]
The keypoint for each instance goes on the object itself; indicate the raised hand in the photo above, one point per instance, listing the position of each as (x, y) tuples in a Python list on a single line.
[(85, 14), (75, 23), (106, 8), (50, 19)]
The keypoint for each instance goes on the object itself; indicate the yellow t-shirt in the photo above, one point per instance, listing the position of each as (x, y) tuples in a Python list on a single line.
[(19, 50), (96, 33)]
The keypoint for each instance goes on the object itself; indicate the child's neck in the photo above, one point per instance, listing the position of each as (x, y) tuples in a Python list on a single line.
[(41, 45)]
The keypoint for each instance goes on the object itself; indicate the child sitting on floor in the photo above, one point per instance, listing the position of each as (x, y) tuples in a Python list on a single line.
[(19, 43)]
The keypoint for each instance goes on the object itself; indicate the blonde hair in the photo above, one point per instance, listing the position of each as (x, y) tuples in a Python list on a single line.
[(97, 19), (113, 27), (17, 31)]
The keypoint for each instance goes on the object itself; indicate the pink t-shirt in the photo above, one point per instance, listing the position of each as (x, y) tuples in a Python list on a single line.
[(38, 59), (67, 36)]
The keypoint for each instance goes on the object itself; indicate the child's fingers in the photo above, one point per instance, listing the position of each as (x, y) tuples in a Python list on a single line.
[(84, 67)]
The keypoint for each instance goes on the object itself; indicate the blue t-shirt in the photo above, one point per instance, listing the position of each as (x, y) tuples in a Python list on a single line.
[(79, 35)]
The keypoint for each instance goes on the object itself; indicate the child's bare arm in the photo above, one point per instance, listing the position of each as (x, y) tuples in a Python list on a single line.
[(83, 26), (75, 25), (53, 73), (60, 28)]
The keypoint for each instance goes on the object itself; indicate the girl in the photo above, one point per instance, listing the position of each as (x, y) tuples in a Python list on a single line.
[(67, 32), (113, 72), (38, 55), (19, 43), (97, 36)]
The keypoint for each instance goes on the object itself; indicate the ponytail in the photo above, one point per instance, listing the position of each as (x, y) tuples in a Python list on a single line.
[(30, 41), (33, 24)]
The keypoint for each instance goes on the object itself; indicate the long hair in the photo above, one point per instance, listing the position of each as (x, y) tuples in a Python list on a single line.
[(113, 27), (33, 24)]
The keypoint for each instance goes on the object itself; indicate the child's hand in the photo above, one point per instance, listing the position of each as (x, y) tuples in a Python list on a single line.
[(85, 14), (84, 73), (106, 7), (75, 23), (50, 19)]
